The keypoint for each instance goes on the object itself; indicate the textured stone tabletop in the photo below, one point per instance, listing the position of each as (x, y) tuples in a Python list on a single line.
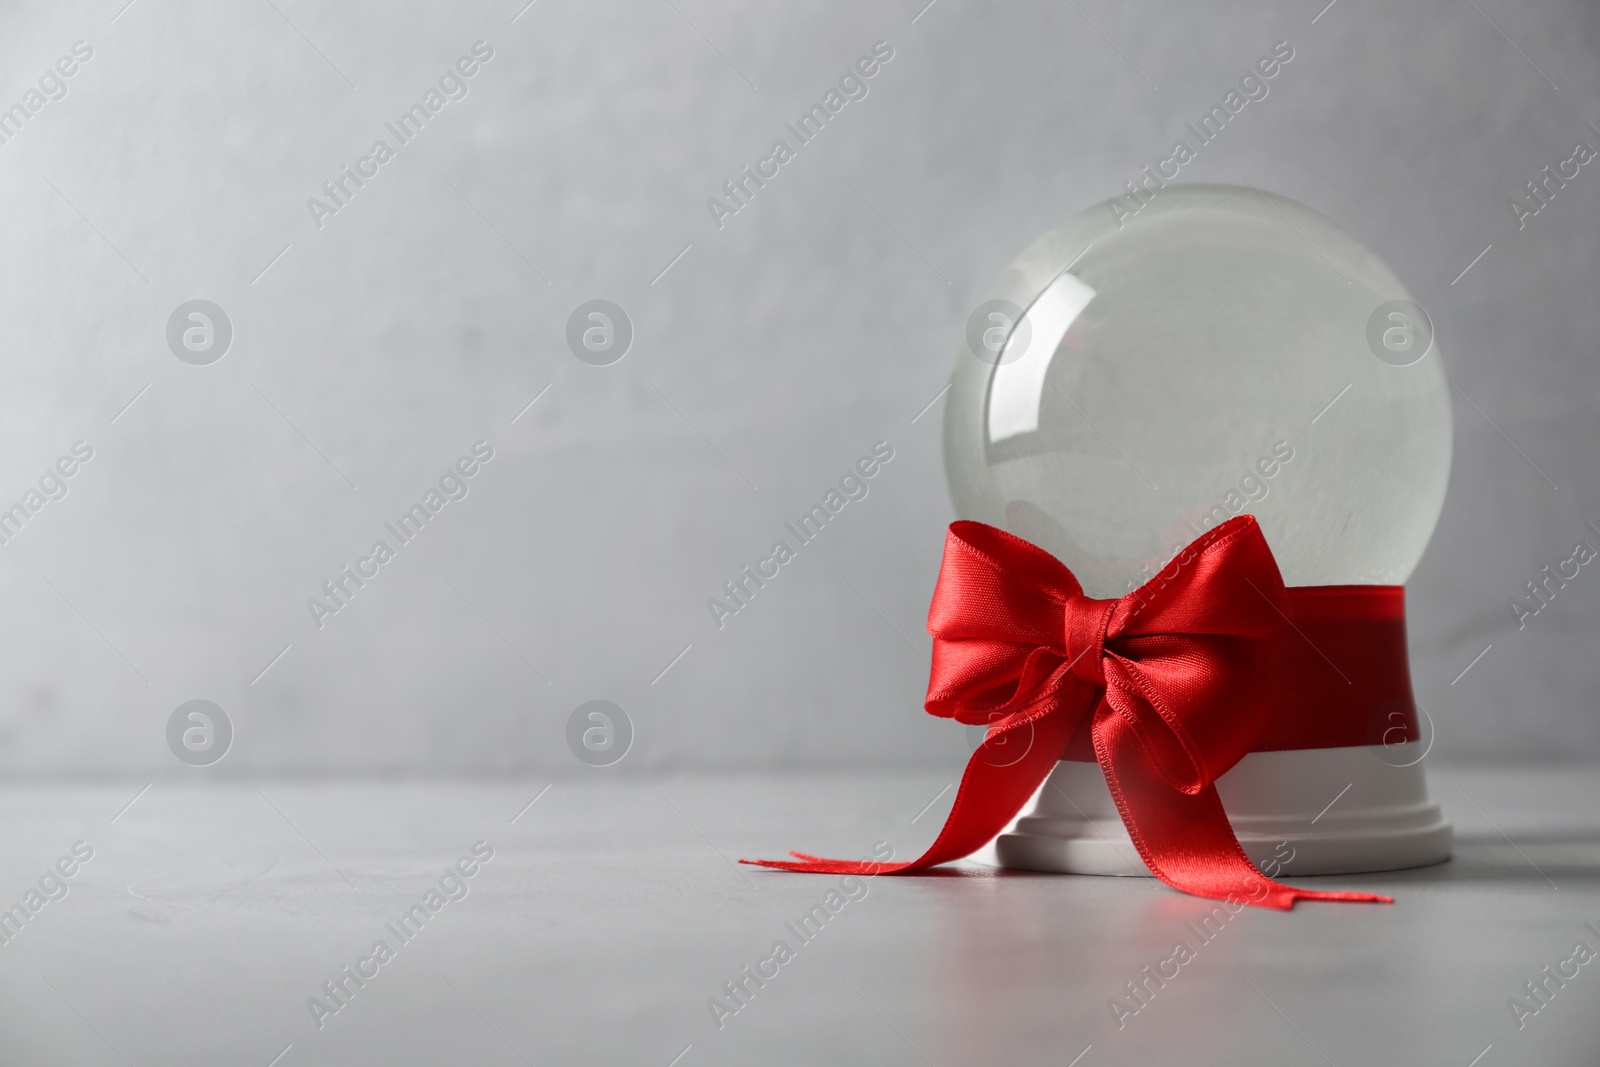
[(599, 925)]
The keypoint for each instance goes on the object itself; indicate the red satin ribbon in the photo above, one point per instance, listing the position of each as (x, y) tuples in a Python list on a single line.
[(1166, 688)]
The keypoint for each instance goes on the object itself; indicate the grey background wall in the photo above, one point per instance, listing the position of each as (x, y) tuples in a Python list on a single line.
[(370, 352)]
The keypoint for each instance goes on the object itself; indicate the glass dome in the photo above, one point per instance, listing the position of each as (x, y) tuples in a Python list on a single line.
[(1133, 379)]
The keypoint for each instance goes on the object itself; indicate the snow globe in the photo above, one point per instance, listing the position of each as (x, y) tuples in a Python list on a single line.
[(1167, 360)]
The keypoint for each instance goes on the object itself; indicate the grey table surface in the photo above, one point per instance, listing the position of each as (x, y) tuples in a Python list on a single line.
[(611, 913)]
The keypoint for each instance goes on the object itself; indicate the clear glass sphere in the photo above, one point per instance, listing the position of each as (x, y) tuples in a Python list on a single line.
[(1153, 367)]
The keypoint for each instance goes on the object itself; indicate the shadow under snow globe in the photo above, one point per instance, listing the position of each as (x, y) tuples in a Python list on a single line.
[(1129, 384)]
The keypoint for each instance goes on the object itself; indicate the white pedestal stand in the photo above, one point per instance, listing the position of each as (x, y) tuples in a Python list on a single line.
[(1308, 811)]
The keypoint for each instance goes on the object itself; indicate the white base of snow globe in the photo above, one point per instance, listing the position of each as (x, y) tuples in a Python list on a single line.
[(1301, 812)]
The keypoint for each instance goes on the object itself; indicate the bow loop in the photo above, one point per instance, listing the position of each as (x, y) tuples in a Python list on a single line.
[(1194, 703), (1224, 583), (996, 625)]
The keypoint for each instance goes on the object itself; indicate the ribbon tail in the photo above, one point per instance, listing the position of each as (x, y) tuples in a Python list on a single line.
[(1185, 839), (990, 796)]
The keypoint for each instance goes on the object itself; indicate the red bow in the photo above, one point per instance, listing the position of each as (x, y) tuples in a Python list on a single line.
[(1174, 675)]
